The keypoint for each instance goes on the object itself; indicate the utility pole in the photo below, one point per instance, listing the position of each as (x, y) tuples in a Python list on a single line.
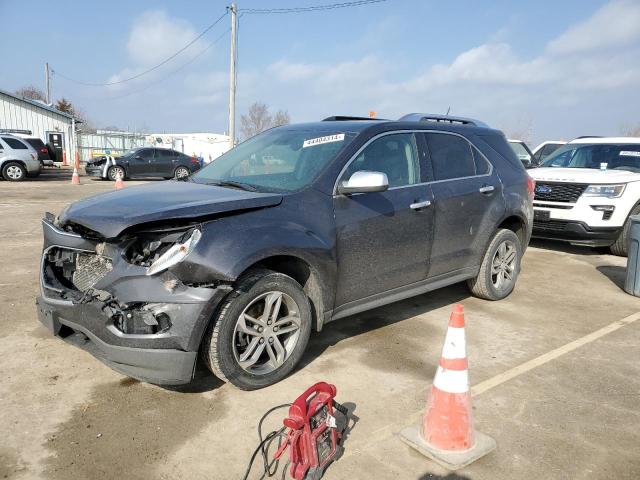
[(232, 73), (47, 83)]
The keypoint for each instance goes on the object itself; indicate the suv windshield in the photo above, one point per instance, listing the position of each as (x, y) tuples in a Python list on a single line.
[(608, 156), (281, 159)]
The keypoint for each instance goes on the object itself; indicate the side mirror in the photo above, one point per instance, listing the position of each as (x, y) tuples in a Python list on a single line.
[(364, 181)]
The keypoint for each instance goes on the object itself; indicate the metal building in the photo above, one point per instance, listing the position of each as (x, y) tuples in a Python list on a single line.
[(49, 124)]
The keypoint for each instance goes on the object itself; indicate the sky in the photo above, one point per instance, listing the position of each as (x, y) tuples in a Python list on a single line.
[(542, 70)]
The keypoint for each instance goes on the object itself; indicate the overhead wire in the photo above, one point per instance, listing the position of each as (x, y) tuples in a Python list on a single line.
[(313, 8), (173, 72), (149, 70)]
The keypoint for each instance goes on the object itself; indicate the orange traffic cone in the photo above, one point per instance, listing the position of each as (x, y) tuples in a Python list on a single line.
[(75, 178), (119, 182), (446, 434)]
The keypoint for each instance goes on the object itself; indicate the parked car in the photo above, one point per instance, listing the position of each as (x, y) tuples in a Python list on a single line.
[(44, 156), (586, 191), (143, 162), (542, 151), (18, 159), (523, 152), (240, 261)]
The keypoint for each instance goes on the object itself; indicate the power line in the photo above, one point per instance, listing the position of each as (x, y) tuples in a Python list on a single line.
[(314, 8), (173, 72), (89, 84)]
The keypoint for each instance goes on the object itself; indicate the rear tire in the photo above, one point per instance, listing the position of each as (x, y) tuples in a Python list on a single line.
[(246, 344), (181, 172), (621, 246), (14, 172), (500, 267)]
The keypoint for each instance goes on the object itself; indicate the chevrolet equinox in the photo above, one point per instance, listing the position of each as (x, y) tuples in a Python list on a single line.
[(296, 227)]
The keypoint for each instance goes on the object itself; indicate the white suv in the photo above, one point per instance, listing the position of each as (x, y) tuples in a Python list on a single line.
[(18, 159), (586, 191)]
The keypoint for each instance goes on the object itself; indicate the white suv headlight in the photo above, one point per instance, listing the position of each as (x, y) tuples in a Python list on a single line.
[(175, 254), (608, 191)]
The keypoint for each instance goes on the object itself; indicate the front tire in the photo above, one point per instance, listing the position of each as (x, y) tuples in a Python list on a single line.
[(621, 246), (116, 171), (14, 172), (261, 331), (500, 267)]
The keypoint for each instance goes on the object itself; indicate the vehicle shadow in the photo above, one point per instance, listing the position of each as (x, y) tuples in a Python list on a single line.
[(450, 476), (559, 246), (380, 317), (615, 273)]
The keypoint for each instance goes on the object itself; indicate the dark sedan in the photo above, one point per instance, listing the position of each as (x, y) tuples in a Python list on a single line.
[(143, 162)]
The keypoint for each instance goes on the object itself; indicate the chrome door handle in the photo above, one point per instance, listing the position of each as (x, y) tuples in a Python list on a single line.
[(419, 205), (487, 189)]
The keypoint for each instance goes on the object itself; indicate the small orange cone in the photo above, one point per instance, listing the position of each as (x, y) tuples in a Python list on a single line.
[(446, 434), (75, 178), (119, 182)]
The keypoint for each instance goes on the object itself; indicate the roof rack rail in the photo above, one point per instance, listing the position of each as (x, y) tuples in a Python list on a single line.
[(434, 117), (15, 130), (345, 118), (588, 136)]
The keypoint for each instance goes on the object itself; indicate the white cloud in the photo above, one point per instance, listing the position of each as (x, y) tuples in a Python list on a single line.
[(155, 36), (591, 67), (616, 24)]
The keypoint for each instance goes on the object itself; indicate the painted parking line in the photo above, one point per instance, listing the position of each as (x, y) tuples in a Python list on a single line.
[(552, 355), (383, 433)]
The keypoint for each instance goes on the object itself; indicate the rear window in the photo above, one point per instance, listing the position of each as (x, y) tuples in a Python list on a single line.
[(35, 143), (14, 143), (451, 156)]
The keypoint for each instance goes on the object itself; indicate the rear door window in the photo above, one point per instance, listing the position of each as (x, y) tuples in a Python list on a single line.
[(14, 143), (166, 153), (451, 157)]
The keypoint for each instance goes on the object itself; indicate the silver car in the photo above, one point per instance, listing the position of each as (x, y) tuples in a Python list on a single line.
[(18, 159)]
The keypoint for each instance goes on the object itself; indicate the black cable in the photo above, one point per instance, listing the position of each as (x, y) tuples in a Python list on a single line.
[(171, 73), (314, 8), (89, 84), (265, 443)]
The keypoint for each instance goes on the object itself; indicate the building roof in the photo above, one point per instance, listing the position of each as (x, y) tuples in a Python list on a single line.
[(36, 103)]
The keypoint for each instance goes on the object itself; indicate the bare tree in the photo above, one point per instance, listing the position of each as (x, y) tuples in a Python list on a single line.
[(522, 129), (31, 92), (281, 117), (630, 131), (258, 119)]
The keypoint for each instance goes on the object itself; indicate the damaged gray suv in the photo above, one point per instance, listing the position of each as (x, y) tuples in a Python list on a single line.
[(296, 227)]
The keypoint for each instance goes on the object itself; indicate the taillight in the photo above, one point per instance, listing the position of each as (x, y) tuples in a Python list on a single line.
[(44, 150), (531, 187), (195, 160)]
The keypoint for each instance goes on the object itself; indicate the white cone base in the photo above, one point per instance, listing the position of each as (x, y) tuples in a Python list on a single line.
[(449, 460)]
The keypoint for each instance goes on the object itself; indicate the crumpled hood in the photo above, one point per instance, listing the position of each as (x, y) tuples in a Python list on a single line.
[(582, 175), (111, 213)]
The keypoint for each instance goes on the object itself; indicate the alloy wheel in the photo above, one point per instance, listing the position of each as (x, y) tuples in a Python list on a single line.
[(116, 172), (14, 172), (266, 333), (503, 266), (182, 172)]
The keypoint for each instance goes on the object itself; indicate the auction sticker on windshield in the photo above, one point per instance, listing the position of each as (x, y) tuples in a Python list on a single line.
[(629, 153), (338, 137)]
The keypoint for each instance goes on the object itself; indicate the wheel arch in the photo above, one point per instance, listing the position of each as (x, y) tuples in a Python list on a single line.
[(517, 225), (302, 272)]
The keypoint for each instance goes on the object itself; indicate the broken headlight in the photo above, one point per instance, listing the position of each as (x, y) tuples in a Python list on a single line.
[(158, 253)]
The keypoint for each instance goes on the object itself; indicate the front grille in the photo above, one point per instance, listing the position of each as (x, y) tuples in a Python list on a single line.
[(90, 269), (69, 272), (550, 225), (559, 192)]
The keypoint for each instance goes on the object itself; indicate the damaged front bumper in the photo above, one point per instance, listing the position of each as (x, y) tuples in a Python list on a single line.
[(147, 327)]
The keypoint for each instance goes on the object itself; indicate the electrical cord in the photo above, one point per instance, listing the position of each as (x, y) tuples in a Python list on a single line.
[(263, 448)]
